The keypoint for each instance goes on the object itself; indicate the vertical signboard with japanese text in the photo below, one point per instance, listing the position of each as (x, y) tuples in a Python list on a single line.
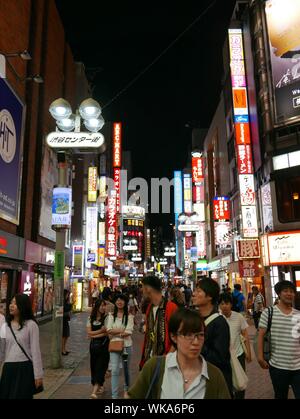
[(178, 207), (91, 237), (92, 184), (77, 260), (111, 225), (242, 133), (221, 207), (12, 113), (187, 193)]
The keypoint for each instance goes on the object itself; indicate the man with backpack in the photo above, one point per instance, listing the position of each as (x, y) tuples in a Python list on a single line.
[(238, 300)]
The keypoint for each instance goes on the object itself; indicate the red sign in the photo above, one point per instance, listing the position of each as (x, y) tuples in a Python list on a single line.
[(3, 246), (248, 249), (117, 180), (111, 226), (198, 194), (244, 158), (117, 142), (242, 133), (249, 268), (197, 169), (221, 208)]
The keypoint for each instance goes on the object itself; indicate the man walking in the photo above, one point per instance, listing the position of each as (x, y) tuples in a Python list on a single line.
[(284, 365), (239, 304), (158, 313), (216, 348), (258, 305)]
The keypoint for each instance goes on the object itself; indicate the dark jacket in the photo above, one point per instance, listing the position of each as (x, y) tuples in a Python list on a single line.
[(216, 387), (216, 348)]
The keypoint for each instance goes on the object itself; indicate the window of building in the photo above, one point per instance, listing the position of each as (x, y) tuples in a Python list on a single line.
[(288, 199)]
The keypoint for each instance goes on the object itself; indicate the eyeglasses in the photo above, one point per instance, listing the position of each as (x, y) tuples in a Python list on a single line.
[(190, 337)]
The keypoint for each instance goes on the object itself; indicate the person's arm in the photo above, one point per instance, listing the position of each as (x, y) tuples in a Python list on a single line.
[(129, 328), (139, 389), (244, 333), (2, 343), (36, 353), (262, 329)]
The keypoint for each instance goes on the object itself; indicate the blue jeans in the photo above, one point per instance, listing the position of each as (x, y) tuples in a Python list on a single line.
[(115, 358), (282, 379)]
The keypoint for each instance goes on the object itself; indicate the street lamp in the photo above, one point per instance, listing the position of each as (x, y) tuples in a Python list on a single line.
[(66, 122)]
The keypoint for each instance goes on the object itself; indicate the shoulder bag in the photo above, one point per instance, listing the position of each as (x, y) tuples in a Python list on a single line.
[(267, 339), (36, 390), (116, 346)]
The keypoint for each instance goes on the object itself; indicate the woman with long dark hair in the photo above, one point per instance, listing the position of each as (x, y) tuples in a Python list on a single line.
[(20, 351), (66, 320), (119, 327), (99, 355)]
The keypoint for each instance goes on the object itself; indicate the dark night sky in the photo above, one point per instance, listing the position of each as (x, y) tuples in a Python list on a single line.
[(122, 39)]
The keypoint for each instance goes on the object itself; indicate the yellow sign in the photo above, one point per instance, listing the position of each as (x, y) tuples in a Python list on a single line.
[(101, 257), (92, 184)]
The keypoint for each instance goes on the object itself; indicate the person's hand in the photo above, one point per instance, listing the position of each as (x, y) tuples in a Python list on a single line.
[(264, 365), (38, 382)]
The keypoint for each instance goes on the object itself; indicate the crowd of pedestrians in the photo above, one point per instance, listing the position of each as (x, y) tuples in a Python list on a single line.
[(191, 341)]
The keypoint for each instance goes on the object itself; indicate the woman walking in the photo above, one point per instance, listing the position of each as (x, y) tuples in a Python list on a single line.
[(120, 327), (66, 319), (183, 374), (20, 351), (99, 355)]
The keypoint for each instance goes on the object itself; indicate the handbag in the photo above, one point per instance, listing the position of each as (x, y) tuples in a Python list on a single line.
[(267, 339), (239, 377), (40, 388), (116, 345)]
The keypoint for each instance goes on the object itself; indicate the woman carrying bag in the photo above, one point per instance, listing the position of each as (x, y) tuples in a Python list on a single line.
[(119, 327), (22, 373), (99, 355)]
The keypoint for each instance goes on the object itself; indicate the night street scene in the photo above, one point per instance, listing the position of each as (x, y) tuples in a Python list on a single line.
[(150, 202)]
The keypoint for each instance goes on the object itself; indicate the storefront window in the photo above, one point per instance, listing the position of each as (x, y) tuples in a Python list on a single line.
[(3, 291)]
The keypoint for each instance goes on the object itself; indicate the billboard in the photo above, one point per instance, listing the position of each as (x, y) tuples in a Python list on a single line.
[(177, 192), (221, 208), (197, 169), (284, 248), (91, 235), (61, 207), (284, 39), (77, 260), (187, 193), (12, 113), (117, 144), (92, 184)]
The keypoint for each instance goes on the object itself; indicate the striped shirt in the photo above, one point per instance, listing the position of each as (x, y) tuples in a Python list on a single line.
[(237, 324), (259, 299), (285, 338)]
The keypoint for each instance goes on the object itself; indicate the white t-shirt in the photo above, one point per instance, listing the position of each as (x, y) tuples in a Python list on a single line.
[(118, 324), (237, 323)]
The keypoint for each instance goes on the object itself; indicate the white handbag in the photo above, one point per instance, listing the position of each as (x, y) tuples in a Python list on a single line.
[(239, 377)]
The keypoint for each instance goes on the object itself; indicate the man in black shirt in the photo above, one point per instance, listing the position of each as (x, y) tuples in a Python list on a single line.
[(216, 348)]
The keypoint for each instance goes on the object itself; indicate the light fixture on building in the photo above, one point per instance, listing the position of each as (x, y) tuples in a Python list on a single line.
[(295, 196)]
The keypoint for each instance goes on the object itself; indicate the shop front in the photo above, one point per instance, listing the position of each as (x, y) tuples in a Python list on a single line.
[(40, 277), (12, 253), (284, 257)]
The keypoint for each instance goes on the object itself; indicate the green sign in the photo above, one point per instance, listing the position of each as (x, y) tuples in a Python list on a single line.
[(59, 266)]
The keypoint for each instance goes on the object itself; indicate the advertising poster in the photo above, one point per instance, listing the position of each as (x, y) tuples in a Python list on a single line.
[(92, 184), (49, 178), (61, 207), (12, 113), (284, 39), (77, 263)]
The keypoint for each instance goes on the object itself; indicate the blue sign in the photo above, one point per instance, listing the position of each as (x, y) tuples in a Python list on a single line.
[(11, 144), (177, 192), (241, 118)]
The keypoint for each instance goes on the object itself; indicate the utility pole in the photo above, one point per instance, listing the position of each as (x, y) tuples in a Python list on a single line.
[(58, 304)]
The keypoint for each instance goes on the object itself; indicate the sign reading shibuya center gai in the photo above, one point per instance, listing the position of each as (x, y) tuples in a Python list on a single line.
[(11, 142), (61, 140), (61, 207)]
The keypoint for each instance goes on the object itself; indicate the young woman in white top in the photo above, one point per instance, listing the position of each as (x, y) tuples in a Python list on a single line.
[(20, 376), (119, 327)]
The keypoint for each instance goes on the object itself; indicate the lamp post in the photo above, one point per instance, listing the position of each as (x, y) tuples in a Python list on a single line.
[(66, 122), (188, 224)]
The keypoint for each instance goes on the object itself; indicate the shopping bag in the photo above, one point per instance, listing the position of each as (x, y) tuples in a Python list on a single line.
[(239, 377)]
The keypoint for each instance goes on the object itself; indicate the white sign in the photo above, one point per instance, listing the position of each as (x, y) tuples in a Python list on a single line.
[(75, 140), (221, 229), (128, 247), (247, 190), (91, 235), (188, 227), (200, 241), (61, 207), (137, 259), (200, 210), (267, 207), (133, 211), (284, 248), (170, 254), (250, 228)]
